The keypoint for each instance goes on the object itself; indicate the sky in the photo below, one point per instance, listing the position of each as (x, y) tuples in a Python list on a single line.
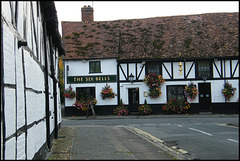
[(116, 10)]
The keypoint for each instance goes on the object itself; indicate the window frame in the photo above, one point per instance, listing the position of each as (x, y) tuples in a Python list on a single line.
[(93, 64), (210, 68), (154, 63), (83, 90), (183, 87)]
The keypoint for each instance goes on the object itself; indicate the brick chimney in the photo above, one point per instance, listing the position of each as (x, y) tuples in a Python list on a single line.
[(87, 14)]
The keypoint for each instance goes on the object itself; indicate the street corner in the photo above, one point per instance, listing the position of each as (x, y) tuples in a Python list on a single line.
[(62, 146)]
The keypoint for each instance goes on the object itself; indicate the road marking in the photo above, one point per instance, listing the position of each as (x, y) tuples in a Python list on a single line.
[(180, 125), (150, 124), (200, 131), (235, 141), (179, 154), (134, 125), (165, 124), (227, 125)]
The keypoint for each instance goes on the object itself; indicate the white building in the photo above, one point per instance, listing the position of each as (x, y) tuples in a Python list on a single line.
[(30, 95), (108, 52)]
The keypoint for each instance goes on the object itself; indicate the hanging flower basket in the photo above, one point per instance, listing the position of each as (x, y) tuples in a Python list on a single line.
[(228, 91), (155, 92), (107, 92), (154, 82), (191, 91), (69, 93)]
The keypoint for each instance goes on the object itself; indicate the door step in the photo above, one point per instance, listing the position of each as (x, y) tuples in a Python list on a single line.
[(205, 113), (133, 112)]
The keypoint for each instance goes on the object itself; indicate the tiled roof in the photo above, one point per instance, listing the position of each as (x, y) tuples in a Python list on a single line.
[(204, 35)]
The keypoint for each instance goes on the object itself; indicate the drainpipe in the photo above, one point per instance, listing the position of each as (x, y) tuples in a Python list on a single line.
[(118, 77), (224, 76), (118, 83), (46, 87)]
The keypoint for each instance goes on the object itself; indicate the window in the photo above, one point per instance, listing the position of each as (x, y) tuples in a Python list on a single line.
[(204, 68), (85, 92), (154, 67), (176, 91), (94, 67)]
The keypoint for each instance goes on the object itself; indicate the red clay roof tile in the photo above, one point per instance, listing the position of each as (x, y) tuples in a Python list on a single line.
[(205, 35)]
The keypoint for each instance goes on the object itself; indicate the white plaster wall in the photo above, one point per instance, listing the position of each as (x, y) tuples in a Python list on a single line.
[(144, 88), (164, 72), (98, 89), (139, 68), (9, 58), (21, 147), (10, 100), (14, 102), (10, 147), (234, 63), (79, 68), (218, 65), (192, 72), (176, 72), (217, 87), (121, 75)]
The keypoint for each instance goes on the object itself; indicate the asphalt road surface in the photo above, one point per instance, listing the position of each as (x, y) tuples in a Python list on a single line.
[(193, 137)]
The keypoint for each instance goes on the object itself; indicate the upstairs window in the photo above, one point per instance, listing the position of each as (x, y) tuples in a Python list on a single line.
[(154, 67), (204, 68), (94, 67)]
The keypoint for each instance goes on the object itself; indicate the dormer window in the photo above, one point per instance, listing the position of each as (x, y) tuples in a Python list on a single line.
[(94, 67)]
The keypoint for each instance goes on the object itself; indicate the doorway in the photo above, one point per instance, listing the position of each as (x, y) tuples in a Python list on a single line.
[(205, 96), (133, 99)]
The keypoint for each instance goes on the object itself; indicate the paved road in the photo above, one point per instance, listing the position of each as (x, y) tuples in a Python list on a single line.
[(185, 137), (211, 141), (112, 143)]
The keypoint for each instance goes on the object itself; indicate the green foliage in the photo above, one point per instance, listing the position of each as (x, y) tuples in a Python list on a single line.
[(60, 78)]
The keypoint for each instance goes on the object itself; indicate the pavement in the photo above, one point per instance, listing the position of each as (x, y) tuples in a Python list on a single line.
[(90, 142)]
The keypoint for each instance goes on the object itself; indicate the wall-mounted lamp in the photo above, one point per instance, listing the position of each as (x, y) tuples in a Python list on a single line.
[(21, 43), (131, 78), (84, 60), (67, 70)]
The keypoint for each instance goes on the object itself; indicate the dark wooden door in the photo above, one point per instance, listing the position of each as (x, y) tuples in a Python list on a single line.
[(205, 96), (133, 99)]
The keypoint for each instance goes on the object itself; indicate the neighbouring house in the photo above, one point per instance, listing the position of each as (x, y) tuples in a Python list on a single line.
[(30, 94), (202, 49)]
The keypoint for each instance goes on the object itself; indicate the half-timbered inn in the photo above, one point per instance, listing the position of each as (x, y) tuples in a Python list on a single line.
[(120, 56)]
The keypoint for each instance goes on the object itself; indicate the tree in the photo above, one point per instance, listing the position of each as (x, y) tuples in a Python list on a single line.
[(60, 78)]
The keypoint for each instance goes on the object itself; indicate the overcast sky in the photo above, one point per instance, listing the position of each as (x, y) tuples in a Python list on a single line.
[(115, 10)]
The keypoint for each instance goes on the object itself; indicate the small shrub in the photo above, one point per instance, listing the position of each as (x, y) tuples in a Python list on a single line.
[(121, 110), (145, 109)]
